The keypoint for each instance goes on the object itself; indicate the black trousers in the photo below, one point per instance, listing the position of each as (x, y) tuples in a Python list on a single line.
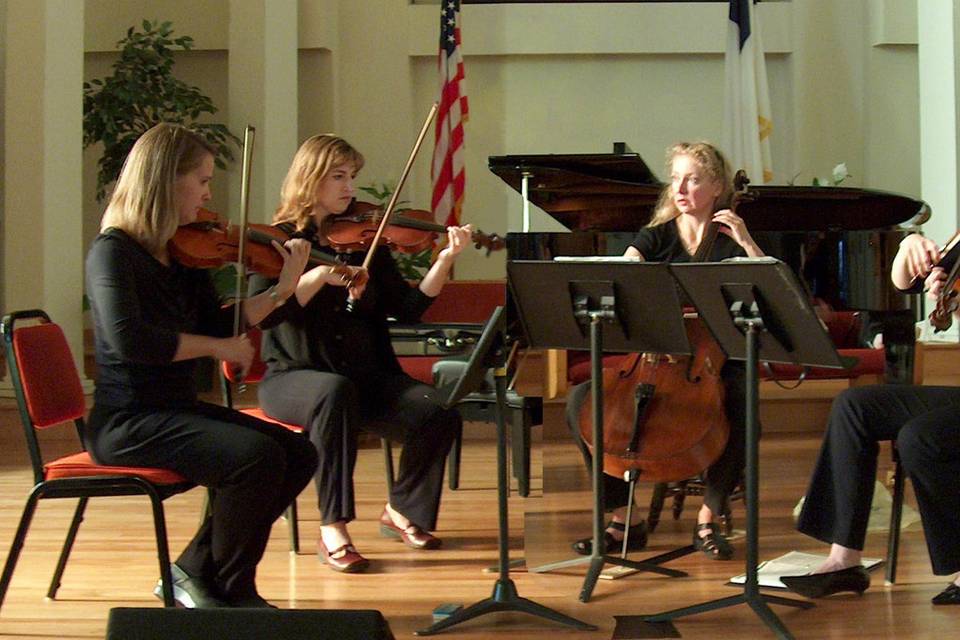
[(925, 423), (255, 468), (393, 405), (722, 476)]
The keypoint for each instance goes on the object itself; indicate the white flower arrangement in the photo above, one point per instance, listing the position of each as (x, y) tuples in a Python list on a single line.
[(840, 174)]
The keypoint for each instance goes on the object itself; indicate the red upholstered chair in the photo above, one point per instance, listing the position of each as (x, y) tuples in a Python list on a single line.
[(229, 378), (49, 393)]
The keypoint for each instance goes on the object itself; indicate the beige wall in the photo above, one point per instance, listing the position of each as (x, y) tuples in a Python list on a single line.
[(576, 78)]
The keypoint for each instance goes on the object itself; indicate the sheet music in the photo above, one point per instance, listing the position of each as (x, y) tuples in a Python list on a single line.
[(596, 259)]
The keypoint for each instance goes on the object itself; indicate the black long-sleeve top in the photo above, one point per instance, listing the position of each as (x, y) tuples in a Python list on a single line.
[(323, 335), (662, 244), (139, 307)]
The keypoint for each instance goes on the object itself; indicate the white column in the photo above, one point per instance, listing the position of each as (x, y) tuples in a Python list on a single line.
[(937, 22), (43, 252), (263, 93)]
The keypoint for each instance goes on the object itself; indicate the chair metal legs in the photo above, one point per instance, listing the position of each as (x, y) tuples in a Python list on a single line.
[(45, 490), (67, 547), (896, 512), (17, 545)]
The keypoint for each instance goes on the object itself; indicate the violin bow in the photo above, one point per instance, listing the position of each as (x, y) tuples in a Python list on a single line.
[(371, 250), (396, 192), (248, 136)]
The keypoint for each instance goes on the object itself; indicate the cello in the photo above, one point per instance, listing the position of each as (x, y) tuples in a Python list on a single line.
[(664, 417)]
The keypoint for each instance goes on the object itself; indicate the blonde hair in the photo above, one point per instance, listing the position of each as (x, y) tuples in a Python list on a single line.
[(314, 160), (143, 203), (711, 161)]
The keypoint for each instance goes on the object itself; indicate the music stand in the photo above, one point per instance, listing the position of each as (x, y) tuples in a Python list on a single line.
[(638, 302), (757, 310), (490, 352)]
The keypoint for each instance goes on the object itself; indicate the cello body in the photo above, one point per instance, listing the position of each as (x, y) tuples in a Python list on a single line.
[(663, 416)]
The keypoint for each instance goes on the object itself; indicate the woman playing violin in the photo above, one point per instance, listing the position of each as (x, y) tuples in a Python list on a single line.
[(699, 195), (153, 318), (924, 421), (332, 369)]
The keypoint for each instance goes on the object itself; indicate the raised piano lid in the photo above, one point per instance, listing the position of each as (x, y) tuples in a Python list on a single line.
[(617, 192)]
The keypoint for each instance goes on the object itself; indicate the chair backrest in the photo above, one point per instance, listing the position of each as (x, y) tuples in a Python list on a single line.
[(467, 301), (44, 377)]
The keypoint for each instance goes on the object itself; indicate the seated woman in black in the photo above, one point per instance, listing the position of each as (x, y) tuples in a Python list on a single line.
[(699, 193), (153, 318), (332, 368), (924, 421)]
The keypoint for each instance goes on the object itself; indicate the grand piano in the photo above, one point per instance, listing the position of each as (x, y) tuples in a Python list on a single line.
[(840, 241)]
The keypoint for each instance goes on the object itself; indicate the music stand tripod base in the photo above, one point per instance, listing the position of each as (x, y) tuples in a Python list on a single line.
[(490, 348), (754, 309)]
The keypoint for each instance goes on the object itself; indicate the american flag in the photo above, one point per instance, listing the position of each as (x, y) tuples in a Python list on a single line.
[(447, 171)]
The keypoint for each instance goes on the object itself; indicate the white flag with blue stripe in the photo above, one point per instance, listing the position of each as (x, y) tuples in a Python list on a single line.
[(748, 123)]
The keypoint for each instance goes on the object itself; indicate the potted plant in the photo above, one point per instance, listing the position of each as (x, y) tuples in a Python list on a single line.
[(140, 93), (143, 92)]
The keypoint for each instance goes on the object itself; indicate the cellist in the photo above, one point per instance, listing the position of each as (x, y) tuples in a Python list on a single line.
[(699, 195)]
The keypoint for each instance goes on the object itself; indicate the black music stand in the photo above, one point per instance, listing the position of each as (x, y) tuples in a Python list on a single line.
[(757, 310), (490, 352), (564, 305)]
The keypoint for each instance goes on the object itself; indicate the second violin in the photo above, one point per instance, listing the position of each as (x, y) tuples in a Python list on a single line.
[(407, 231)]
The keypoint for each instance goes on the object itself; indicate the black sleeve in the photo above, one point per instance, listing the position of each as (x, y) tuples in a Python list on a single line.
[(401, 300), (112, 288), (215, 319), (647, 242)]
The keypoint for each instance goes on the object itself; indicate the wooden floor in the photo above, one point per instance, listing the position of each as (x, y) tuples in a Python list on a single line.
[(113, 564)]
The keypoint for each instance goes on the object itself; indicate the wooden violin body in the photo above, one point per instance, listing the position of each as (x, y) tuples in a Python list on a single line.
[(210, 242), (663, 416), (408, 230)]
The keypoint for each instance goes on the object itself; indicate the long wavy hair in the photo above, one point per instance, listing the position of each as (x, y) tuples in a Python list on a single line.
[(143, 203), (314, 160), (711, 161)]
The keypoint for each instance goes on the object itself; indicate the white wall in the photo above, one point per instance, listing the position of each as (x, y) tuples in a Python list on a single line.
[(569, 78)]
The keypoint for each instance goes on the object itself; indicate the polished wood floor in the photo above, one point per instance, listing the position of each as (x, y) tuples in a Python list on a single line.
[(113, 564)]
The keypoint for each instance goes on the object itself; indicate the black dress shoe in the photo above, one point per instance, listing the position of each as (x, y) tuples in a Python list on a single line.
[(819, 585), (950, 595), (636, 542), (190, 592)]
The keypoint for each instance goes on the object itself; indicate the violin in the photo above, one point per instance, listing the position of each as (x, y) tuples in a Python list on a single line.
[(407, 231), (948, 301), (211, 242)]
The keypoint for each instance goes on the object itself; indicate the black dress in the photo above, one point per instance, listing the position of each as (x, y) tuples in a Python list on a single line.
[(333, 371), (662, 244), (146, 411)]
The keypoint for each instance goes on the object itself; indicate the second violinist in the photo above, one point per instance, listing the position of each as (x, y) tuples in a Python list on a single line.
[(698, 196), (332, 369)]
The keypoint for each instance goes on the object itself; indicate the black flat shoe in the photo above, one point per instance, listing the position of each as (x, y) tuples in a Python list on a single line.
[(190, 592), (714, 545), (950, 595), (819, 585), (636, 542)]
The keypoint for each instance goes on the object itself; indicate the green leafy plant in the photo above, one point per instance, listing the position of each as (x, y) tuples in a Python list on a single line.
[(143, 92), (413, 266)]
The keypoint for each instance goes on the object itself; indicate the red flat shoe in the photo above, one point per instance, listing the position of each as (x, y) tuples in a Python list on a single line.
[(349, 562), (413, 536)]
